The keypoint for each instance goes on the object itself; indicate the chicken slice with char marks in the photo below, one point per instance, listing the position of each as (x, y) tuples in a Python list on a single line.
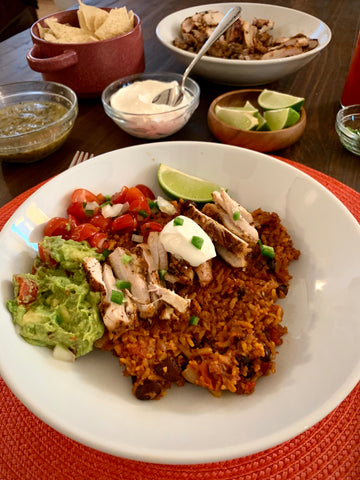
[(233, 215), (219, 234)]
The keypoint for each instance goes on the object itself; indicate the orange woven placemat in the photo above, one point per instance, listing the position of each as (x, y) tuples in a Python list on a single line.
[(31, 450)]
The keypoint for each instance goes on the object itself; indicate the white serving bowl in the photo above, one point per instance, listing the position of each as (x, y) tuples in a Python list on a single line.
[(288, 22)]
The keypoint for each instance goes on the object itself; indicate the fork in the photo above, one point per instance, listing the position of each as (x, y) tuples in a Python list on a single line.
[(80, 157)]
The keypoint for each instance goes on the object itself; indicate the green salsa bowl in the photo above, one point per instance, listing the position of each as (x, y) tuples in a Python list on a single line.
[(35, 119)]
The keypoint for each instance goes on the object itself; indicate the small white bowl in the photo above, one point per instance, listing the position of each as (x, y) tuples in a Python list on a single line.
[(288, 22), (152, 125)]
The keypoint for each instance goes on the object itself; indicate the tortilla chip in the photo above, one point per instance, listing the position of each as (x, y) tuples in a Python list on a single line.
[(91, 18), (68, 34), (118, 22)]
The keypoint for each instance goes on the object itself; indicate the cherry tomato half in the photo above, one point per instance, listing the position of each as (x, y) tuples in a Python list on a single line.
[(146, 191), (101, 222), (57, 226), (77, 210), (133, 194), (98, 241), (119, 197), (83, 232), (82, 195), (125, 222), (140, 205)]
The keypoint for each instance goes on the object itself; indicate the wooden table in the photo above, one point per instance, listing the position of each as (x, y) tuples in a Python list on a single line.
[(320, 82)]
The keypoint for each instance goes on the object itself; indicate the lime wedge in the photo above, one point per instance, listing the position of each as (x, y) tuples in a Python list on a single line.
[(281, 118), (270, 100), (237, 117), (263, 125), (177, 185)]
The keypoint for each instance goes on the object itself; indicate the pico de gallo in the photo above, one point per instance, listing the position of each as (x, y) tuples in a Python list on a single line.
[(97, 217)]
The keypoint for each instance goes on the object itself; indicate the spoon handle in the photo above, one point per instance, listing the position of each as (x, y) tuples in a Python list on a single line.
[(231, 16)]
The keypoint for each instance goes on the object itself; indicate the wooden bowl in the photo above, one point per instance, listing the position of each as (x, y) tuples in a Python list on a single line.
[(266, 141)]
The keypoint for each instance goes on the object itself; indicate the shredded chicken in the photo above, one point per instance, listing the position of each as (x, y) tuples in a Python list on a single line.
[(244, 40)]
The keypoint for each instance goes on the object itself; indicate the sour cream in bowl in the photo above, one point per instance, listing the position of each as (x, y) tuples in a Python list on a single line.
[(128, 102)]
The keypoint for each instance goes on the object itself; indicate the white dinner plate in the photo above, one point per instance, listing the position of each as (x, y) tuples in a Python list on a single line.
[(317, 365)]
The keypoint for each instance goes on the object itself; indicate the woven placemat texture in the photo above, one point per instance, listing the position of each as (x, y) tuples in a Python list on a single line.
[(31, 450)]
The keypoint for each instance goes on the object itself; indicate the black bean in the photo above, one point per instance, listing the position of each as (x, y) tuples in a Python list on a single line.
[(267, 354), (149, 390), (168, 369), (240, 293), (271, 263), (282, 291)]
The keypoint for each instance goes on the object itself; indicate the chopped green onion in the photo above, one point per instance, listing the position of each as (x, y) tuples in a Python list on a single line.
[(117, 297), (197, 242), (126, 259), (153, 205), (122, 284), (143, 213), (194, 320), (162, 274), (107, 202), (236, 215), (106, 252), (178, 221), (266, 250)]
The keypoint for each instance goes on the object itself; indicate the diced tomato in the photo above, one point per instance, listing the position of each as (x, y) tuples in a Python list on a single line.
[(28, 289), (119, 197), (98, 241), (57, 226), (82, 195), (151, 227), (146, 191), (125, 222), (45, 256), (83, 232), (77, 210), (101, 222)]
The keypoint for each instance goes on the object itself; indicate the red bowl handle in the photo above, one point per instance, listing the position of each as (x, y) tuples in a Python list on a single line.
[(50, 64)]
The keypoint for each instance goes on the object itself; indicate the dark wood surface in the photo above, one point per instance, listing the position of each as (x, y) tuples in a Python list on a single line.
[(320, 82)]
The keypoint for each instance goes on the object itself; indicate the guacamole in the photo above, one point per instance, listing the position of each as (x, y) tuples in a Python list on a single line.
[(54, 304)]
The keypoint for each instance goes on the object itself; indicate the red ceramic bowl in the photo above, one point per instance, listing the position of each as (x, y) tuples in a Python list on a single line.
[(87, 68)]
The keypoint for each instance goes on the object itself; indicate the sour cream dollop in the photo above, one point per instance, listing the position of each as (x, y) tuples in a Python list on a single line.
[(177, 238), (137, 97)]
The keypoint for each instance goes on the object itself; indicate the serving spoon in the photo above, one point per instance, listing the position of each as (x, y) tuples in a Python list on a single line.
[(173, 96)]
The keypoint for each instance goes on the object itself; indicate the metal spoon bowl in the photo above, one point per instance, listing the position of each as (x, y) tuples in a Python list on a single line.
[(173, 96)]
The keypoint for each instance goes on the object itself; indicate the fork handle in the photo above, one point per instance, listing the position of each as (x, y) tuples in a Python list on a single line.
[(232, 15)]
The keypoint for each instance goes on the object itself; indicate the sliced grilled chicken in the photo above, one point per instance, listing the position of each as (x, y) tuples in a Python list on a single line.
[(135, 273), (204, 273), (219, 234), (180, 304)]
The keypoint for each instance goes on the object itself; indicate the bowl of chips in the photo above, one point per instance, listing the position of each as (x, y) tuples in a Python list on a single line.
[(87, 48)]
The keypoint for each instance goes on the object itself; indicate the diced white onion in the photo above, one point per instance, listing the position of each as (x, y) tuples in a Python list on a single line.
[(165, 206), (137, 238), (114, 210), (91, 205), (63, 354)]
